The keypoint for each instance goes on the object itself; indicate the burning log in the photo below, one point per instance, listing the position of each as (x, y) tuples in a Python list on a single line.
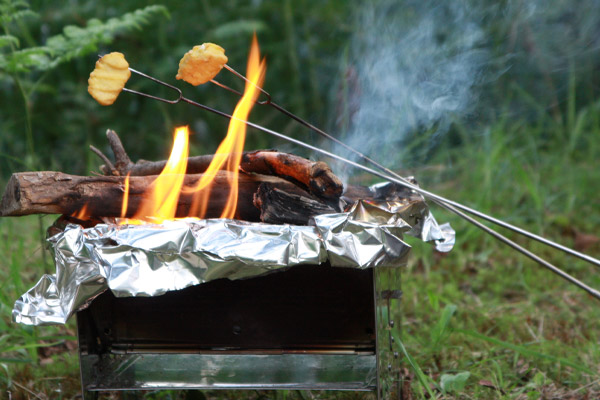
[(261, 198), (290, 206), (274, 188), (49, 192), (316, 177)]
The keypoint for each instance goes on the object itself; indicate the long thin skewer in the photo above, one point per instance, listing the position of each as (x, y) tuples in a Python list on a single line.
[(437, 199), (446, 203), (595, 293)]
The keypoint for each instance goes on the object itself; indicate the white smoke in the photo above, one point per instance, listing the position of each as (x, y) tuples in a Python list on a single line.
[(416, 64), (413, 67)]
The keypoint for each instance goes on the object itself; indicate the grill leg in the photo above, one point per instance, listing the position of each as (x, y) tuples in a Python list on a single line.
[(387, 322)]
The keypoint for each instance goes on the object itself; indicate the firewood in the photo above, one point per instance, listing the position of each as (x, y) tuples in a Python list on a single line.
[(261, 198), (316, 177), (49, 192), (292, 206)]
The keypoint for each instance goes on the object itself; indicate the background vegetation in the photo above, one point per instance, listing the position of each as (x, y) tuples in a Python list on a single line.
[(493, 104)]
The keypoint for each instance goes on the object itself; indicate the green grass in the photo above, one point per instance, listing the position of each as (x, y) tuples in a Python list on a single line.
[(33, 360), (518, 330), (516, 325)]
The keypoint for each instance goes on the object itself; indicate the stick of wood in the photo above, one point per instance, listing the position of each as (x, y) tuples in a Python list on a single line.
[(316, 177), (49, 192)]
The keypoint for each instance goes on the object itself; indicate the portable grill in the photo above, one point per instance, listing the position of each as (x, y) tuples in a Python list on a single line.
[(229, 304), (308, 327), (313, 323)]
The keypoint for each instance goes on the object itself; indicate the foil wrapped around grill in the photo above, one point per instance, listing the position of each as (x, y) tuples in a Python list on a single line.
[(149, 260)]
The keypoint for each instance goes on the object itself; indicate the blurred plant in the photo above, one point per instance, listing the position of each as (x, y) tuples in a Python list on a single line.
[(73, 42), (18, 64), (453, 383)]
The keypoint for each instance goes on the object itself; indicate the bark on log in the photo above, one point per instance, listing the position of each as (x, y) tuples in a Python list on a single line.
[(316, 177), (51, 192), (291, 206)]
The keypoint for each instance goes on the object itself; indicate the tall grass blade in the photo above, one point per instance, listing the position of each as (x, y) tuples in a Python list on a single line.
[(523, 350), (441, 330), (424, 380)]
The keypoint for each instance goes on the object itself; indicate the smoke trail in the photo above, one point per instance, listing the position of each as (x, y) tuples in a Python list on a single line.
[(415, 65)]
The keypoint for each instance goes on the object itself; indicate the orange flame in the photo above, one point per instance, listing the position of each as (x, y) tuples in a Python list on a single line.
[(163, 194), (162, 197), (125, 197), (229, 152), (82, 213)]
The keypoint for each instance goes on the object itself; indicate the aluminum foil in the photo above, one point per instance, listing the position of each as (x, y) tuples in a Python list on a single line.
[(149, 260)]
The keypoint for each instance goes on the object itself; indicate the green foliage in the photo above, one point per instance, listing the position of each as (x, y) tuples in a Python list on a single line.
[(238, 28), (424, 380), (528, 352), (8, 40), (72, 43), (12, 11), (27, 67)]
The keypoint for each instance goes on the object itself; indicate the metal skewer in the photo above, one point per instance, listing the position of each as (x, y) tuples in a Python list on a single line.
[(395, 178), (437, 199), (230, 89), (446, 205)]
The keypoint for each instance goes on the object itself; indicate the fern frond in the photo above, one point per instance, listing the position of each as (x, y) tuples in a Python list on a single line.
[(18, 3), (24, 60), (7, 40), (76, 41), (18, 15), (14, 11)]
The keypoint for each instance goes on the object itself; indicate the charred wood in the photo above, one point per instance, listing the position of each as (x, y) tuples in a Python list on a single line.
[(49, 192), (291, 206), (316, 177), (261, 197)]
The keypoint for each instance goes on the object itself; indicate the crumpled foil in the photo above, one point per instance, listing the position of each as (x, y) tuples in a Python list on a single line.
[(149, 260)]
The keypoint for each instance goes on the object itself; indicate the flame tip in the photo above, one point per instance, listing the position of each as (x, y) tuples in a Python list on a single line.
[(163, 196)]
